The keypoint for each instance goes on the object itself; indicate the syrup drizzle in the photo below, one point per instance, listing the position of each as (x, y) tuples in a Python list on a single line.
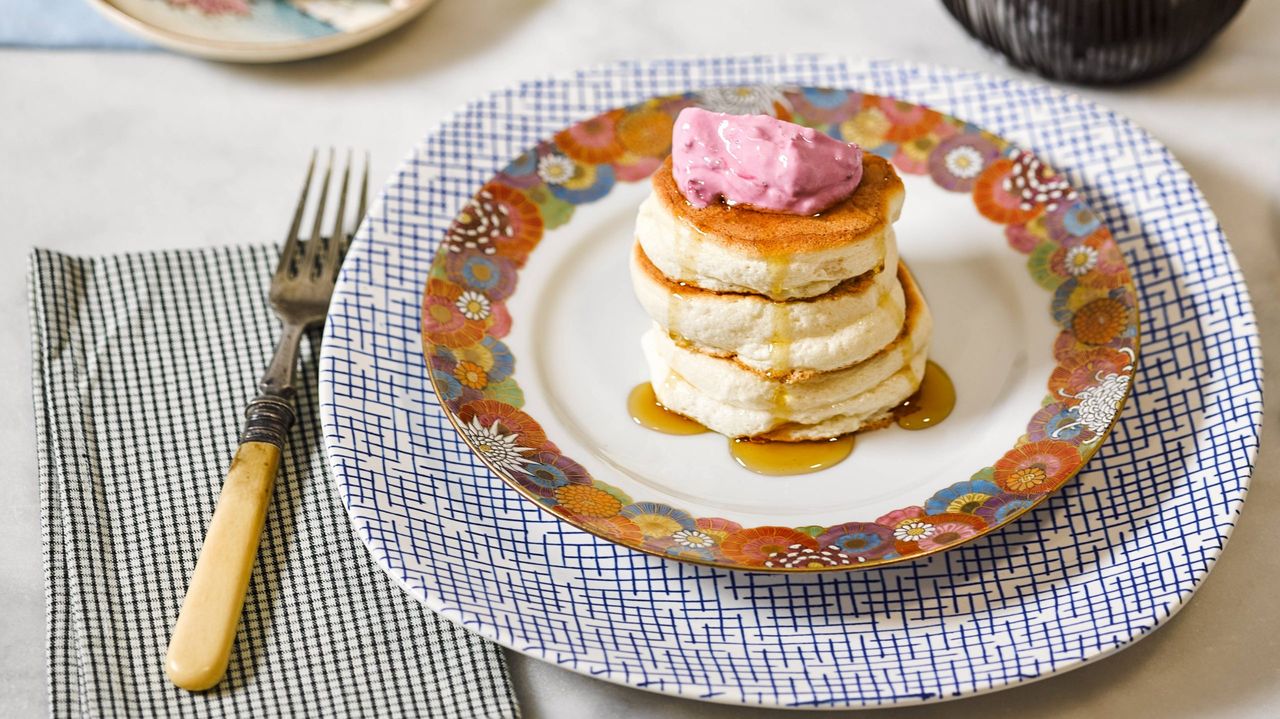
[(647, 412), (928, 407), (788, 458), (932, 403)]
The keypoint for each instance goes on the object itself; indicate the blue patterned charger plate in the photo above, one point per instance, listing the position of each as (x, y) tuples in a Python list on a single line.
[(1096, 566)]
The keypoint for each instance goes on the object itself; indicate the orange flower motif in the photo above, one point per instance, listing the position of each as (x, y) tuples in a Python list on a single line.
[(953, 517), (898, 516), (509, 419), (499, 220), (867, 128), (912, 156), (471, 374), (753, 547), (924, 532), (1084, 368), (656, 525), (480, 355), (585, 500), (1037, 467), (996, 202), (618, 528), (906, 120), (594, 140), (717, 527), (646, 132), (1100, 321), (633, 168), (658, 520), (1067, 346), (501, 320), (1074, 261), (443, 321), (945, 534), (1094, 261)]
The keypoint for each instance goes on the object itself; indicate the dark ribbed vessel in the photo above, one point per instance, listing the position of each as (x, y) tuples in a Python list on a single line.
[(1095, 41)]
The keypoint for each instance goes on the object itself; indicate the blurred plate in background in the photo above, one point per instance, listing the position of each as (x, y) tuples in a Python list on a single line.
[(265, 31)]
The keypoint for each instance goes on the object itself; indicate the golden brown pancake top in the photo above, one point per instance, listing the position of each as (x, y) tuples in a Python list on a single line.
[(761, 233)]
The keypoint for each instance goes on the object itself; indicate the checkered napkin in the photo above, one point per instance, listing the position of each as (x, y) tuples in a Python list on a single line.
[(143, 364)]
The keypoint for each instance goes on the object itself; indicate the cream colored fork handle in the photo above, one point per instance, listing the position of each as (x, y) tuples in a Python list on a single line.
[(201, 641)]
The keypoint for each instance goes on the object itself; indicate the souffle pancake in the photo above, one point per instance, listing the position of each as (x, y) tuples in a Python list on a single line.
[(766, 257)]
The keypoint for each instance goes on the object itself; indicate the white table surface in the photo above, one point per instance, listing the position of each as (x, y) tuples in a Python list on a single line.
[(104, 152)]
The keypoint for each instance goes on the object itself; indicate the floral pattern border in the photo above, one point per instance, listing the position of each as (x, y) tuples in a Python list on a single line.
[(1069, 253)]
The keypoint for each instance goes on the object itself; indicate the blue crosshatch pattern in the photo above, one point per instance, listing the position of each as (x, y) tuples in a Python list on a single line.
[(1099, 565)]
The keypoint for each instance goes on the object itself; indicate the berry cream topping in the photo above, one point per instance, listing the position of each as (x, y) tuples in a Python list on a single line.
[(761, 161)]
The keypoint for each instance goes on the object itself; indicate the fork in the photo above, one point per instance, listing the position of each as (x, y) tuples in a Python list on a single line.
[(300, 290)]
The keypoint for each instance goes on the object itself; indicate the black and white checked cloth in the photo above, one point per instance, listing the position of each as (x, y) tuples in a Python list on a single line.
[(143, 364)]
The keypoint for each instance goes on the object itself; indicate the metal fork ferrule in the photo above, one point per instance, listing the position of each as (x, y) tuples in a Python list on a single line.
[(267, 419)]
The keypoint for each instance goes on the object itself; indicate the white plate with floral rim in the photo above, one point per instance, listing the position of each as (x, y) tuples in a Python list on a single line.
[(530, 333)]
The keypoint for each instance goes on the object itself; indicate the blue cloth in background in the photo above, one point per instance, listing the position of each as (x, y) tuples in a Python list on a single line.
[(60, 23)]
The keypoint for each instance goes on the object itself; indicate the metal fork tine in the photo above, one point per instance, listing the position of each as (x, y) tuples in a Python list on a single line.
[(338, 238), (291, 244), (315, 241), (360, 208), (364, 191)]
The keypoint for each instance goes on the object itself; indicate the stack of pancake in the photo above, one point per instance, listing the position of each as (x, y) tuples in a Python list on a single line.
[(778, 326)]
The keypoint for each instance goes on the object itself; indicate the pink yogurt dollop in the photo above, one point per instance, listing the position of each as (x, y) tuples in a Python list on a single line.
[(761, 161)]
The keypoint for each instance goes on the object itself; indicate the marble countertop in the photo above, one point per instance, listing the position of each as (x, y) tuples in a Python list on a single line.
[(105, 152)]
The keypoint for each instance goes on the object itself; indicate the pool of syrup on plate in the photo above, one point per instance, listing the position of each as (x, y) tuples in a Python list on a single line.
[(649, 413), (929, 406), (931, 403)]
